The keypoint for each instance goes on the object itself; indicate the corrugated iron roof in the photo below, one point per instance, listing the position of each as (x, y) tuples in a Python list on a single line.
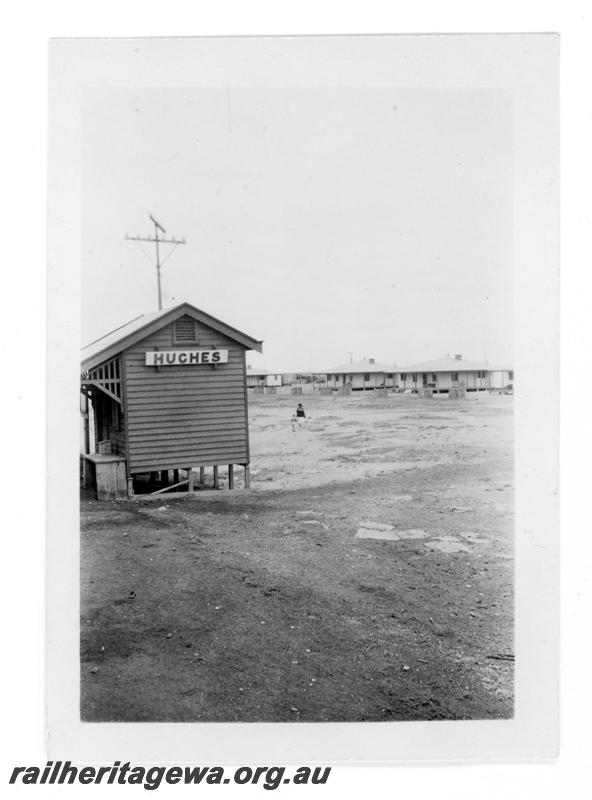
[(451, 364), (253, 372), (360, 366), (136, 329)]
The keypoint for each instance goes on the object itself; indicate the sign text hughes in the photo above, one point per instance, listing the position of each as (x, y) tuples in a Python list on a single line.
[(163, 358)]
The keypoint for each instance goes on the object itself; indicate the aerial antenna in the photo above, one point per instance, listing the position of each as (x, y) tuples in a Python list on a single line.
[(158, 240)]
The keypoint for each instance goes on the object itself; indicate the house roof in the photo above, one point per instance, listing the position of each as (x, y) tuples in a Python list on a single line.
[(252, 371), (138, 328), (451, 364), (360, 366)]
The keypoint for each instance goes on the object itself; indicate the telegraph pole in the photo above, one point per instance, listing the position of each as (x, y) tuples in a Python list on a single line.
[(157, 240)]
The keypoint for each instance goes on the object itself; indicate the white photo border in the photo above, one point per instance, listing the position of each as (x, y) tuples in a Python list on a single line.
[(526, 65)]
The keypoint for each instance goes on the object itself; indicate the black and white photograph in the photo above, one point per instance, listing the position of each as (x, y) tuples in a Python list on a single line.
[(366, 571), (304, 386)]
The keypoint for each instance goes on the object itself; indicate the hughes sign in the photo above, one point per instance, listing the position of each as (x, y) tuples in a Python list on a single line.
[(164, 358)]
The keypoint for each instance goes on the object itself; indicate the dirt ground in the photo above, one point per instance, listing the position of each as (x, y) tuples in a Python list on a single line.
[(367, 575)]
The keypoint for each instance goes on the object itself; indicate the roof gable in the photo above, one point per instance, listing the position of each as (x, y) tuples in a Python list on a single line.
[(119, 339)]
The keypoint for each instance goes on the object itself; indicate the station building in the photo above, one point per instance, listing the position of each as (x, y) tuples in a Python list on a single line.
[(167, 393)]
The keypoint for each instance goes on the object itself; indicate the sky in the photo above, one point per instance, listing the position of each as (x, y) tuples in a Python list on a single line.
[(374, 222)]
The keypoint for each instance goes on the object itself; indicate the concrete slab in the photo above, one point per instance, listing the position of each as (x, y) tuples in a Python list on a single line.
[(377, 526), (373, 533), (448, 544), (414, 533)]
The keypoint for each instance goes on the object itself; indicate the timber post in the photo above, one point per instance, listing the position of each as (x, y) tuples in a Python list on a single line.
[(216, 482), (247, 477), (86, 425), (190, 479), (231, 476)]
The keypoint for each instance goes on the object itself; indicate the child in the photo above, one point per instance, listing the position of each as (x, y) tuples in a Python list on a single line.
[(301, 416)]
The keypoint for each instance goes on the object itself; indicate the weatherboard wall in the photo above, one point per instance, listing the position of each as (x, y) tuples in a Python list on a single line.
[(358, 381), (185, 415), (442, 380), (117, 438)]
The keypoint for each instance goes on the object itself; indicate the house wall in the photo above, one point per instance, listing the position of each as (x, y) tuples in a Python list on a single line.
[(407, 382), (443, 380), (375, 379), (382, 379), (343, 379), (263, 380), (356, 379), (185, 416), (468, 378), (118, 438), (475, 382), (501, 378)]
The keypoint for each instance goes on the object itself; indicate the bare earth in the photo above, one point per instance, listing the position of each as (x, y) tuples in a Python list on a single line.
[(367, 575)]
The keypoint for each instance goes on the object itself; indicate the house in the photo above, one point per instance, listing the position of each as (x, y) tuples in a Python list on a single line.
[(441, 374), (361, 375), (167, 391), (261, 377)]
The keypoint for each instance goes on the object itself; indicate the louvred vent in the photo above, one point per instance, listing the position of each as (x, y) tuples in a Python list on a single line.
[(185, 330)]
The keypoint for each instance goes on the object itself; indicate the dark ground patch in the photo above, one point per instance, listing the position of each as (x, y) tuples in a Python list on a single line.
[(228, 609)]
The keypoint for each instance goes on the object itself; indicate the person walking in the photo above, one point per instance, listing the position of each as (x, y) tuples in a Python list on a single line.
[(300, 416)]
